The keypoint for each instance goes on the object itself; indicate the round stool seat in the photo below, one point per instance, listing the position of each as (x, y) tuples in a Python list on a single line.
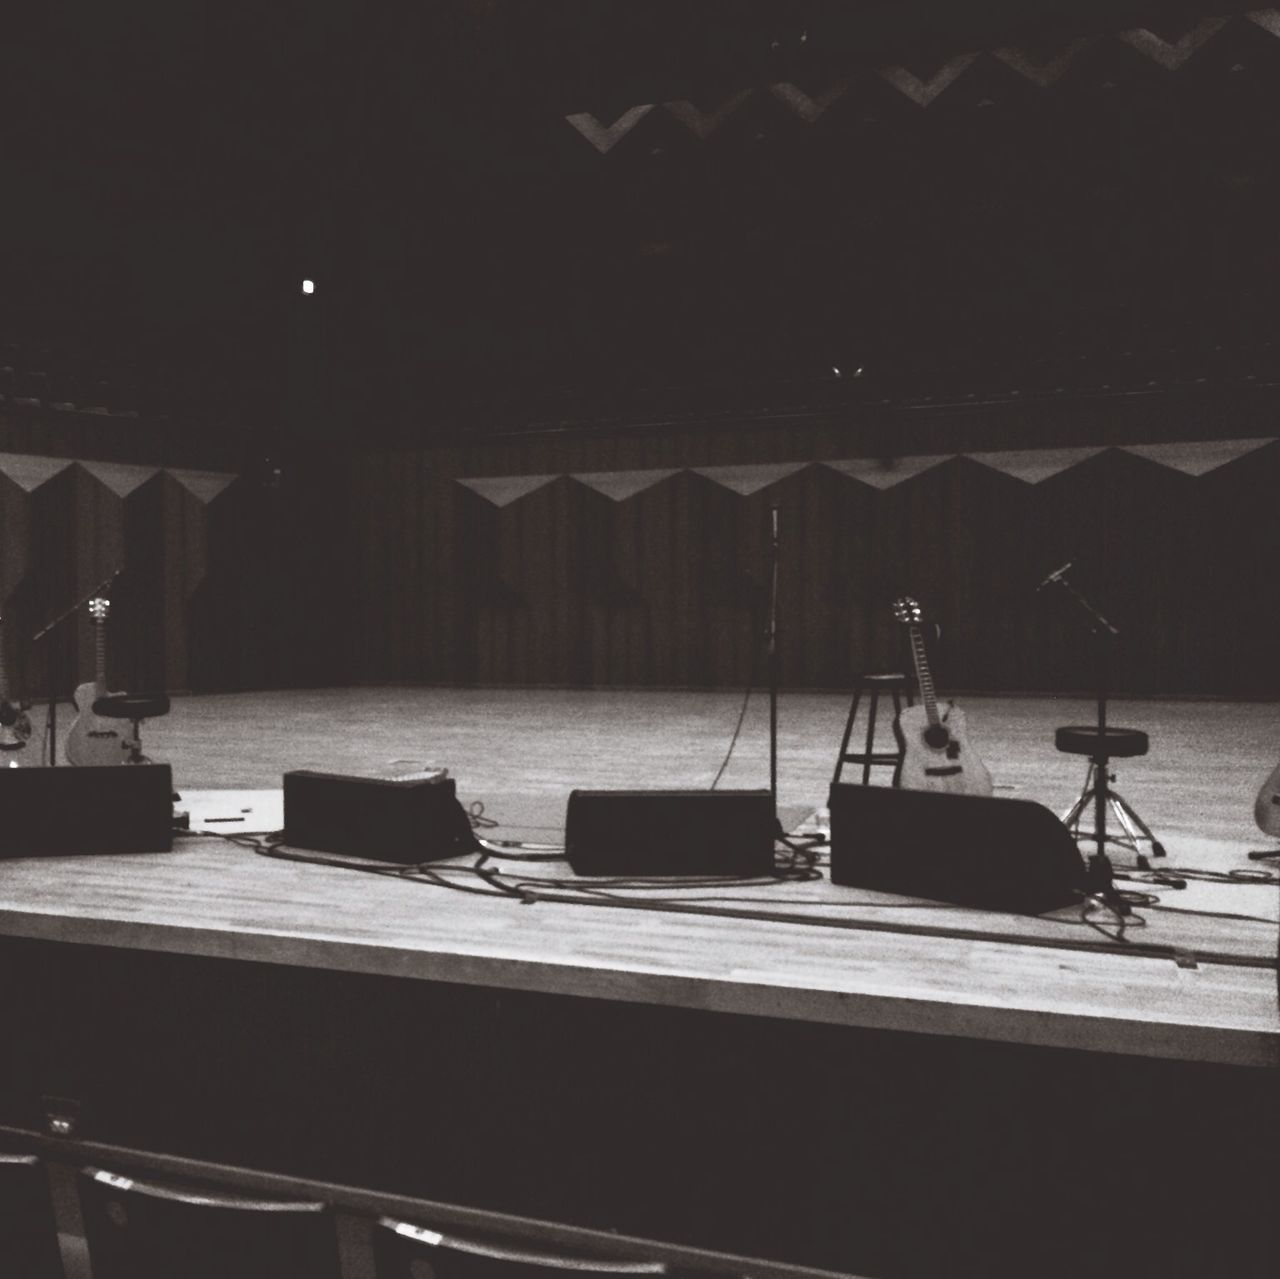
[(883, 682), (131, 706), (1116, 743)]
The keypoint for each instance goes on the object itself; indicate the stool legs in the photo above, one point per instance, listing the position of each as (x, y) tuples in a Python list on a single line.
[(848, 733), (135, 755), (1136, 831), (871, 737), (1134, 826), (868, 757)]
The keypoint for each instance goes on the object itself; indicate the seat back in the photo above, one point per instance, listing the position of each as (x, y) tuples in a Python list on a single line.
[(28, 1234), (143, 1229), (403, 1250)]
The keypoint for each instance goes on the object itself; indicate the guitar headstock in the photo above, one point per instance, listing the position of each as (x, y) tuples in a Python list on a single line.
[(907, 610), (99, 608)]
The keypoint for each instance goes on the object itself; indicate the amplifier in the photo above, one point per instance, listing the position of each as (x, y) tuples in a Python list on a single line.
[(386, 820), (693, 832), (974, 850), (58, 812)]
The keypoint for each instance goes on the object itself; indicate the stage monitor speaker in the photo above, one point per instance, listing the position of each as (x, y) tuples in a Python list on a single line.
[(998, 854), (66, 811), (385, 820), (691, 832)]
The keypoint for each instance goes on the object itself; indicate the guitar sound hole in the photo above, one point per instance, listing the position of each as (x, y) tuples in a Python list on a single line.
[(936, 736)]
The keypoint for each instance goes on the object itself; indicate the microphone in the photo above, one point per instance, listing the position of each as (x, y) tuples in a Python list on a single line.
[(1055, 576)]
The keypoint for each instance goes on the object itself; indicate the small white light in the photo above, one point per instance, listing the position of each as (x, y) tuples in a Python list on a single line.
[(835, 370), (308, 286)]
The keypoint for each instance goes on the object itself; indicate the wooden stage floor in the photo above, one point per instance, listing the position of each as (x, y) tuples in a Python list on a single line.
[(1198, 782), (518, 753)]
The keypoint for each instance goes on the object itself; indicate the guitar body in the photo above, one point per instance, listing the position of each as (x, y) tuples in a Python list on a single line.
[(935, 751), (13, 736), (939, 761), (1266, 812), (94, 740), (15, 727)]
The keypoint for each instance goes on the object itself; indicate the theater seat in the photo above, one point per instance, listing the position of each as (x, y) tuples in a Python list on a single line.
[(403, 1250), (28, 1236), (145, 1229)]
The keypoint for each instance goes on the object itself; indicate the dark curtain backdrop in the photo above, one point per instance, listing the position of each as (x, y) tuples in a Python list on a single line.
[(370, 566), (240, 590), (565, 586)]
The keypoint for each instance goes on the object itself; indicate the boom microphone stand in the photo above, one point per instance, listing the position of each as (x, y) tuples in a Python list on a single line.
[(1101, 744), (798, 844), (773, 664)]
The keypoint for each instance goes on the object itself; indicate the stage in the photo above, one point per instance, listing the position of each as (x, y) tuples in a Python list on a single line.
[(943, 1053), (1206, 762)]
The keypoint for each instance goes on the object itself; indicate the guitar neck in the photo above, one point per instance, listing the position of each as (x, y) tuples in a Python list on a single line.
[(100, 653), (923, 677)]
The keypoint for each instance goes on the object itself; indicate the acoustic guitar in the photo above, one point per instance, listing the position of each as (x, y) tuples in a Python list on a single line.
[(93, 739), (15, 727), (1266, 811), (936, 754)]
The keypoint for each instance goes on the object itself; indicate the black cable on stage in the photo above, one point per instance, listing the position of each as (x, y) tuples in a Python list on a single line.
[(475, 815), (737, 729), (754, 663), (532, 891), (506, 848), (1119, 945), (1168, 878), (1210, 914), (1124, 920)]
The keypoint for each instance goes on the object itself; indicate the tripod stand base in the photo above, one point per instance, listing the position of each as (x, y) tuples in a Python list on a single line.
[(1136, 832)]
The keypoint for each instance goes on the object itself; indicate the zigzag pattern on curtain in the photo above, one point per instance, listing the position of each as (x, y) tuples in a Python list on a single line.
[(1029, 465), (1033, 66), (30, 471)]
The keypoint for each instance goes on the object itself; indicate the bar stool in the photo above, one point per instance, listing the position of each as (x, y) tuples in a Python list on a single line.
[(1102, 748), (135, 707), (28, 1235), (403, 1250), (895, 686), (138, 1229)]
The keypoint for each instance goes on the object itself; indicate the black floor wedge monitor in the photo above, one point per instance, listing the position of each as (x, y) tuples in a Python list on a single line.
[(406, 821), (692, 832), (65, 811), (997, 854)]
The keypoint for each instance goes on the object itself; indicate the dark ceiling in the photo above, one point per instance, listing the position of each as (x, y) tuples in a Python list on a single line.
[(1103, 217)]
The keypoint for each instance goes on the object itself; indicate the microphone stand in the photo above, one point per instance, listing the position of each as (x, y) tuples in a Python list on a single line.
[(1105, 634), (797, 844), (773, 664), (51, 721)]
